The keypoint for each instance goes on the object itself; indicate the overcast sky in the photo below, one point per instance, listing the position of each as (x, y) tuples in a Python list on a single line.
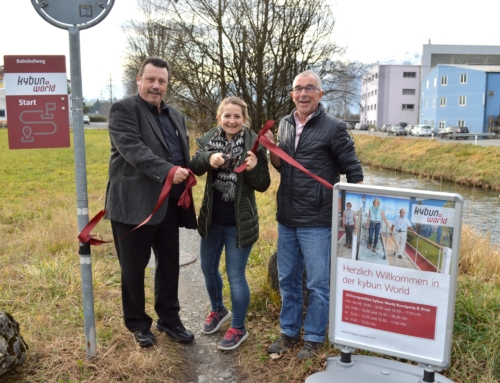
[(371, 31)]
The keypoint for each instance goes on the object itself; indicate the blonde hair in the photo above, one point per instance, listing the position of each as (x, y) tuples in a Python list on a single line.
[(235, 101)]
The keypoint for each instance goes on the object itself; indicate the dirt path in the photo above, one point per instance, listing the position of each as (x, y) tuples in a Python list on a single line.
[(209, 365)]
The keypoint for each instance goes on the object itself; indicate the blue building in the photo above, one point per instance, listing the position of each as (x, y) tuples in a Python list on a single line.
[(461, 95)]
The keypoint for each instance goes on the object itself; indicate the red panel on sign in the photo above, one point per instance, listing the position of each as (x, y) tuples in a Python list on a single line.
[(38, 122), (34, 64), (400, 317)]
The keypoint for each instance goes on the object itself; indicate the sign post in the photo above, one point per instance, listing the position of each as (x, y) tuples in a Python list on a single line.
[(393, 291), (75, 16)]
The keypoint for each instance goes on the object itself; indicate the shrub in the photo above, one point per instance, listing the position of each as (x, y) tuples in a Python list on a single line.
[(97, 118)]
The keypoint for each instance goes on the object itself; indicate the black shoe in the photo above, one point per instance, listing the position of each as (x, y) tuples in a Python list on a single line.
[(178, 333), (282, 344), (310, 350), (400, 257), (144, 338)]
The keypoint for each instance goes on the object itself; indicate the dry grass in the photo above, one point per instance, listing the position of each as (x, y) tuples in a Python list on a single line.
[(478, 257), (462, 163)]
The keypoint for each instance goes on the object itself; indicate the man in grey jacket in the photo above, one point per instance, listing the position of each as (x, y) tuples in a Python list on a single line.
[(148, 138), (321, 143)]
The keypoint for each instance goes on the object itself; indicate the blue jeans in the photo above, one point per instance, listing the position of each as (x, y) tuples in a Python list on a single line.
[(308, 247), (374, 226), (220, 237)]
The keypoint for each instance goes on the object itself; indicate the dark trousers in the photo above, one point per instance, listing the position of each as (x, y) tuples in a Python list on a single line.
[(348, 234), (134, 251)]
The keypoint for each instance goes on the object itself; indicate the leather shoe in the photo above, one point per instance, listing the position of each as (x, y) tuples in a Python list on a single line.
[(177, 333)]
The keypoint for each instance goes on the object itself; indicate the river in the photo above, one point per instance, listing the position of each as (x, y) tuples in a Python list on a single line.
[(481, 207)]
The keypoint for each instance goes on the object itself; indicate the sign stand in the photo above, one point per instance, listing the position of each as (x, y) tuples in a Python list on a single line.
[(393, 294), (75, 16), (360, 369)]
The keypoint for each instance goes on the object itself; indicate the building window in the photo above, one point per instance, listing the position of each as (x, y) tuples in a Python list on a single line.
[(408, 106), (409, 91), (444, 80), (374, 106), (461, 123), (427, 84), (435, 81), (2, 113), (410, 74), (442, 101), (433, 102), (426, 103), (463, 78), (442, 124), (462, 100), (375, 92)]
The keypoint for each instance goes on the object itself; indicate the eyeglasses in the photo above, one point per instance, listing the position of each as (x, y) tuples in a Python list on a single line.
[(308, 89)]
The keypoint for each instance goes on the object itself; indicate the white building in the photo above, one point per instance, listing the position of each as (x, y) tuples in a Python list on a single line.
[(390, 94)]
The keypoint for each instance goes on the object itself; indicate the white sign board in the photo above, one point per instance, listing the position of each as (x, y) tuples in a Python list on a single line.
[(394, 278)]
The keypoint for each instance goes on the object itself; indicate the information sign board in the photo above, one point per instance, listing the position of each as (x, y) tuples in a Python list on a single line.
[(393, 284), (36, 93)]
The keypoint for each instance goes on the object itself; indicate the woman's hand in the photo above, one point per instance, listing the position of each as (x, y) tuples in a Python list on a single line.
[(217, 160), (251, 160)]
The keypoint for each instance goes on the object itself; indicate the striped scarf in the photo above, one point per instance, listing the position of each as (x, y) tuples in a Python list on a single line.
[(233, 149)]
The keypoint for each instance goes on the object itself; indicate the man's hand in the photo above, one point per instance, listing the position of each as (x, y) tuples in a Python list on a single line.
[(275, 160), (217, 160), (269, 135), (180, 175)]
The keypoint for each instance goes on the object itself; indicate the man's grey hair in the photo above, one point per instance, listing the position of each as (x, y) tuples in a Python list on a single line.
[(309, 73)]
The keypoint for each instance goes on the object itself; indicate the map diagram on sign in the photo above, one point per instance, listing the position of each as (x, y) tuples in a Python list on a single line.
[(31, 116)]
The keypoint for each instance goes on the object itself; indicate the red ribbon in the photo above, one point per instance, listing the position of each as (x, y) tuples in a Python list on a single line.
[(185, 201), (268, 125), (264, 141)]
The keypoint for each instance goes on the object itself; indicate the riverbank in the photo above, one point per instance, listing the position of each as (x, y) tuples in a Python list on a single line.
[(466, 164)]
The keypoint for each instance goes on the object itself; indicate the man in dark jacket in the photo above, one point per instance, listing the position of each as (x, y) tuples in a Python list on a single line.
[(320, 142), (148, 138)]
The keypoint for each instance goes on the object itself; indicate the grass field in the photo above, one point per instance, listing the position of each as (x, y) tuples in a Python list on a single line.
[(40, 279)]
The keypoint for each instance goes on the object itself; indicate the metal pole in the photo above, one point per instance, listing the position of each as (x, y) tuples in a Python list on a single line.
[(81, 189)]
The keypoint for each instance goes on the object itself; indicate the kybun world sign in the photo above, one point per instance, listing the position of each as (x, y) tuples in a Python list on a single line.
[(36, 93)]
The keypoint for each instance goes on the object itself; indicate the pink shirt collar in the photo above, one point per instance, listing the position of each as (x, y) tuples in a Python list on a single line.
[(299, 127)]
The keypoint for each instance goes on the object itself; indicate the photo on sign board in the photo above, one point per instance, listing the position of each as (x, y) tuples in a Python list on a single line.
[(411, 233)]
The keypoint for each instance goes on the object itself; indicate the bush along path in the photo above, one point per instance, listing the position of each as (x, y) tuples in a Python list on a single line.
[(207, 363)]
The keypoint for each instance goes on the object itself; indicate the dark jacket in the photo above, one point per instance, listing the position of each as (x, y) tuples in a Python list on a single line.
[(139, 163), (325, 149), (245, 206)]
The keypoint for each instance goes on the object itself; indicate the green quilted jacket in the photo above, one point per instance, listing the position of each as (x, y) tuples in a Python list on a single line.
[(245, 206)]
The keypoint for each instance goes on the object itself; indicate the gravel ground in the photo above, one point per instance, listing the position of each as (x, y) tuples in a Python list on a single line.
[(209, 364)]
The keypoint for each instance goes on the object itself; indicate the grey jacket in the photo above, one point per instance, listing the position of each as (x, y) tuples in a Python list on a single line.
[(245, 206), (325, 149), (139, 163)]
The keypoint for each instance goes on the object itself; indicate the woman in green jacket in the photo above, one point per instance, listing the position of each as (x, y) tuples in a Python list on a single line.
[(228, 215)]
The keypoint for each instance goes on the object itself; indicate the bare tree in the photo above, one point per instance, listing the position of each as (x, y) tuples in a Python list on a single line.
[(146, 36), (342, 87), (252, 49)]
